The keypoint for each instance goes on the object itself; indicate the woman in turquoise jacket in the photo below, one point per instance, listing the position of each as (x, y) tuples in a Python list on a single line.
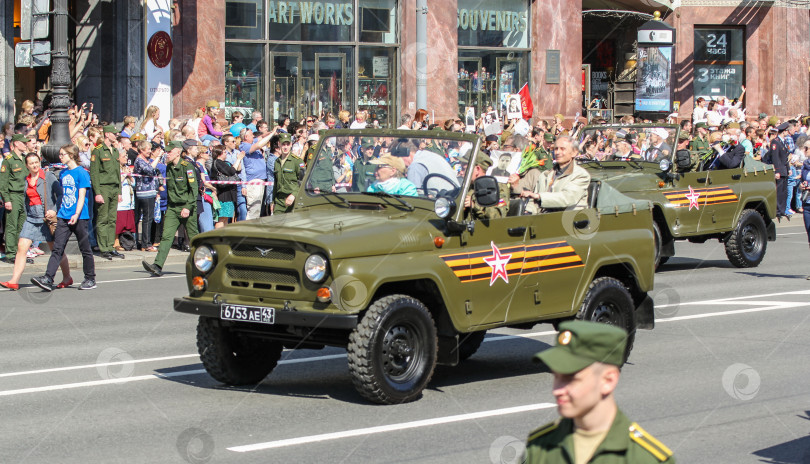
[(389, 174)]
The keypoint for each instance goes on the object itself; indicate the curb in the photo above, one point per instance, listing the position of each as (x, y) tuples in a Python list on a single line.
[(132, 259)]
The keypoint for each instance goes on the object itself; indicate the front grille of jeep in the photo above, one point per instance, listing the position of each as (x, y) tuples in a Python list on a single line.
[(263, 278), (246, 250)]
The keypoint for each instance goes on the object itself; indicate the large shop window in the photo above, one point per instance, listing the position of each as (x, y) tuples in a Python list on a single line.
[(244, 19), (244, 84), (318, 56), (493, 58), (719, 62)]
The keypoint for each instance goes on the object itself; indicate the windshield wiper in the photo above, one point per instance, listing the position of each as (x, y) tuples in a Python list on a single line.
[(635, 164), (590, 161), (337, 195), (388, 195)]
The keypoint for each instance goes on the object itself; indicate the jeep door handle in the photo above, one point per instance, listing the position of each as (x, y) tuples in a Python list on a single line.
[(582, 223), (701, 179), (516, 231), (736, 176)]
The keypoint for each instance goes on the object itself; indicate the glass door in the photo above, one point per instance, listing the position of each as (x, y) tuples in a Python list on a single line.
[(470, 84), (510, 78), (286, 84), (330, 72)]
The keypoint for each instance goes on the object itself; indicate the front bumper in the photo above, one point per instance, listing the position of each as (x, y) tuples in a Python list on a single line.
[(288, 318)]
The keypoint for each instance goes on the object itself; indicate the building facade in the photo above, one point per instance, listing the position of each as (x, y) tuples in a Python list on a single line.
[(310, 57)]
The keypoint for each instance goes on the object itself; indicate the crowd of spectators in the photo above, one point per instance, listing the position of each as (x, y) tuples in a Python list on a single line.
[(235, 157)]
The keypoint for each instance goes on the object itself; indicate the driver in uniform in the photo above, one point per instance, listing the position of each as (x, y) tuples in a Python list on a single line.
[(471, 208)]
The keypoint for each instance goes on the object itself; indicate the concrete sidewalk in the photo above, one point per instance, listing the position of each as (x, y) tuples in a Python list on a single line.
[(131, 259)]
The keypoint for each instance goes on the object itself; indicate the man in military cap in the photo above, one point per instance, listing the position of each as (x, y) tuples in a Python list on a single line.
[(322, 178), (543, 152), (471, 207), (288, 174), (363, 171), (181, 190), (624, 147), (700, 143), (105, 176), (779, 154), (12, 191), (591, 428)]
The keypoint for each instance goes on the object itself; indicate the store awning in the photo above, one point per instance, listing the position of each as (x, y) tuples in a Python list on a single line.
[(645, 6)]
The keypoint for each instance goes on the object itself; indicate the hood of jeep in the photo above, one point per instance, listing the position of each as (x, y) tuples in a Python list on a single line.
[(343, 233)]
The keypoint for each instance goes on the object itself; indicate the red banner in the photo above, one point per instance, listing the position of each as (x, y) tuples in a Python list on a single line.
[(526, 101)]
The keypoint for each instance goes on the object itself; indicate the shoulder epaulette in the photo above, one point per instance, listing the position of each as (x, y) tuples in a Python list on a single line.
[(540, 431), (7, 156), (649, 442), (183, 163)]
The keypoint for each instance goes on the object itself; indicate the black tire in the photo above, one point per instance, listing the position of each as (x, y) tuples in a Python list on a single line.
[(232, 358), (393, 350), (468, 343), (659, 241), (608, 301), (749, 240)]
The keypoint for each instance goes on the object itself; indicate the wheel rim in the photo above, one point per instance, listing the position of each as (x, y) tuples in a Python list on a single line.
[(402, 353), (608, 312), (751, 241)]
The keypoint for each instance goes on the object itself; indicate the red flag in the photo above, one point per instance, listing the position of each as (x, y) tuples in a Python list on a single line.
[(526, 101)]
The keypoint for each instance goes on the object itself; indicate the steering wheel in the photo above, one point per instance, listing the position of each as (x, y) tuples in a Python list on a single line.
[(443, 192)]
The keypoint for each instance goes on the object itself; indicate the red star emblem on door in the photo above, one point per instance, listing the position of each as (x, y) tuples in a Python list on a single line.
[(693, 196), (498, 264)]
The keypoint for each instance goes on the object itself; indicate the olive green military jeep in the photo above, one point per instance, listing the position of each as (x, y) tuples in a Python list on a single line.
[(400, 275), (693, 200)]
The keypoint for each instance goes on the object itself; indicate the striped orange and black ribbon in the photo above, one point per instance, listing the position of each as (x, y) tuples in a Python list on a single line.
[(524, 260), (708, 196)]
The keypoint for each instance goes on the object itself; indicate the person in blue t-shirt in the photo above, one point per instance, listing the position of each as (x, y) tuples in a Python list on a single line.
[(237, 123), (72, 218)]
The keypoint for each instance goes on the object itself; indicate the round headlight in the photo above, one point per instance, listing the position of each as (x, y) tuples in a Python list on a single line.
[(315, 268), (665, 165), (204, 258), (443, 207)]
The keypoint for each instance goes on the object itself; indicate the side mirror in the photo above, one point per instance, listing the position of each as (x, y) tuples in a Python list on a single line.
[(487, 192), (683, 159)]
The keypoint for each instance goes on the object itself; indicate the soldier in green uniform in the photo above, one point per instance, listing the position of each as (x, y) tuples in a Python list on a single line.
[(322, 177), (309, 153), (288, 174), (700, 143), (585, 363), (543, 152), (12, 191), (181, 190), (471, 208), (105, 176), (363, 172)]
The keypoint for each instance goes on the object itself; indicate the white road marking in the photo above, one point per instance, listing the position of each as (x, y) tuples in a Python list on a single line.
[(91, 366), (791, 233), (95, 383), (770, 306), (390, 427)]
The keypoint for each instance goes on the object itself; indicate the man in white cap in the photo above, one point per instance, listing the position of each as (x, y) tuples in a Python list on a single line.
[(659, 148)]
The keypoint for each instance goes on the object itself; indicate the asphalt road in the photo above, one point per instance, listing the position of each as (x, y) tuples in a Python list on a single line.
[(112, 375)]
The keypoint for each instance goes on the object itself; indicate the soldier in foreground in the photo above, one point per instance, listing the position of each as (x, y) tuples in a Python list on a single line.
[(585, 363)]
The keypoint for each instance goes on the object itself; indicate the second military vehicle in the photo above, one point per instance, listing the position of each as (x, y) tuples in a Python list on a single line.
[(693, 199)]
